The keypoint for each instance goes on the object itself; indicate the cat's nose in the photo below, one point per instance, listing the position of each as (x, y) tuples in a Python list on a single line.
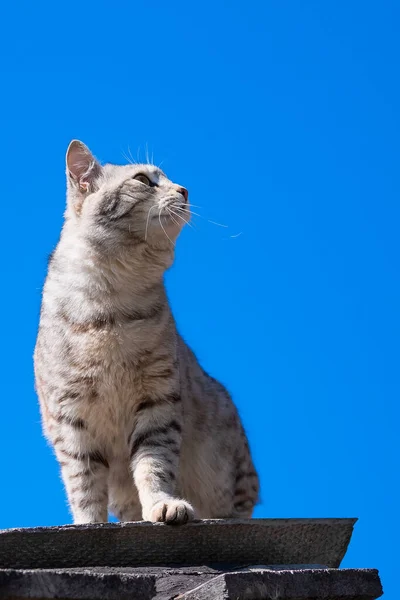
[(184, 192)]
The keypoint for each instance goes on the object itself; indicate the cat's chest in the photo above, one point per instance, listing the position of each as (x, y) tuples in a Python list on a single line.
[(118, 384), (112, 388), (112, 345), (125, 365)]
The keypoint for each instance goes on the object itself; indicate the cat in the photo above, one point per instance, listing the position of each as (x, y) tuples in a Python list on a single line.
[(140, 430)]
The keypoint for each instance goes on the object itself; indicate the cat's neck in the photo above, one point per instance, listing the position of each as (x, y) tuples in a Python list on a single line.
[(129, 279)]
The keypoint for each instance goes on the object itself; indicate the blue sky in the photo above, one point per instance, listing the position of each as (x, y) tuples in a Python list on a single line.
[(282, 120)]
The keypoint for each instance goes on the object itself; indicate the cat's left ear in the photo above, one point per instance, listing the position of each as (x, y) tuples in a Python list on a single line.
[(82, 167)]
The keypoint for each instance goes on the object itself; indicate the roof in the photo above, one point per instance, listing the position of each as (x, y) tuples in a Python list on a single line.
[(259, 558)]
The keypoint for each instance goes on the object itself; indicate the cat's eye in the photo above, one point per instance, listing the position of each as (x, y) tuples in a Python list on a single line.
[(143, 179)]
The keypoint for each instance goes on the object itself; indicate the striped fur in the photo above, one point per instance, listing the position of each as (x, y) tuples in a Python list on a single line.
[(138, 427)]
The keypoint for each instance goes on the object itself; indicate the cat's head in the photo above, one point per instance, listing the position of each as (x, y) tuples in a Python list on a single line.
[(120, 206)]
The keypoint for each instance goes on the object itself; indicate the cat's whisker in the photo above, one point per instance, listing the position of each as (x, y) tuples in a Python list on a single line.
[(171, 212), (189, 211), (126, 158), (176, 222), (132, 161), (182, 211), (147, 222), (191, 224), (172, 218), (219, 224), (175, 206), (195, 205), (201, 217), (180, 217), (162, 226), (183, 220)]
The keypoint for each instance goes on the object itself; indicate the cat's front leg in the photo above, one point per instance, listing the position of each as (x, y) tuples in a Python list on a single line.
[(85, 474), (154, 449)]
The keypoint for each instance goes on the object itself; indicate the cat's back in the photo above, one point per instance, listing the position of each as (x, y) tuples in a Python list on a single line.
[(215, 450)]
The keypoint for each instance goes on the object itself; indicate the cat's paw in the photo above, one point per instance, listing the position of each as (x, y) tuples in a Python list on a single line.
[(172, 512)]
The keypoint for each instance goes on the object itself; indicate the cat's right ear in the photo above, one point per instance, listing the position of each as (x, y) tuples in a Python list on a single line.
[(82, 168)]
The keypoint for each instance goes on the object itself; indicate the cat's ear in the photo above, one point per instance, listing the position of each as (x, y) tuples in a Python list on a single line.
[(82, 167)]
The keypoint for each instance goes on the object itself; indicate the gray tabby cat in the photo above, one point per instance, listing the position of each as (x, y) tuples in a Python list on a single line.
[(138, 427)]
